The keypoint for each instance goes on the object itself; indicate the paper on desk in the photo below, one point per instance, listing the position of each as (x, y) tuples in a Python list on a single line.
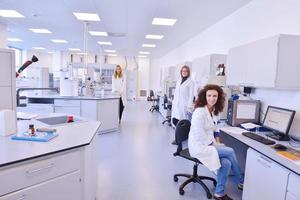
[(234, 130), (249, 125)]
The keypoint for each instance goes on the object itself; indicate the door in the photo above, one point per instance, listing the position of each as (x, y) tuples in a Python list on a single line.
[(264, 178)]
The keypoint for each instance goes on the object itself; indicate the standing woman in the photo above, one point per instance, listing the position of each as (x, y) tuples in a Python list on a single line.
[(203, 145), (183, 96), (119, 87)]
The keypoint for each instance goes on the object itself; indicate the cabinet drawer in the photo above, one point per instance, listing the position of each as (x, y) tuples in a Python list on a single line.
[(30, 173), (66, 102), (293, 185), (61, 188)]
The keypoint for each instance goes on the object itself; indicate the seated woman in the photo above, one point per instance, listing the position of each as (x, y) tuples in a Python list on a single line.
[(204, 146)]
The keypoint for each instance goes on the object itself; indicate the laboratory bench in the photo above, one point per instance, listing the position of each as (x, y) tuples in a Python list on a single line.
[(103, 108), (268, 175), (62, 168)]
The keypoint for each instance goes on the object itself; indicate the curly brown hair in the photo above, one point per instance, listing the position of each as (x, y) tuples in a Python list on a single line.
[(201, 99)]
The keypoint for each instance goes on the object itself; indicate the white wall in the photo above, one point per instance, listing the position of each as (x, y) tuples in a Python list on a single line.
[(256, 20), (3, 36)]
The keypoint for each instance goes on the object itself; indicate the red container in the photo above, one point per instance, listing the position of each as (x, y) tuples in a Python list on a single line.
[(70, 119)]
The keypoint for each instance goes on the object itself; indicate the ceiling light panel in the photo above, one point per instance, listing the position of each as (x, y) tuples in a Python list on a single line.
[(59, 41), (14, 40), (10, 14), (141, 56), (163, 21), (38, 48), (154, 37), (110, 51), (74, 49), (87, 16), (149, 45), (98, 33), (112, 55), (104, 43), (82, 53), (144, 52), (40, 30)]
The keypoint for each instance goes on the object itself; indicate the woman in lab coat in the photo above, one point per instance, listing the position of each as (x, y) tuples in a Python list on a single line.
[(182, 103), (119, 87), (203, 145)]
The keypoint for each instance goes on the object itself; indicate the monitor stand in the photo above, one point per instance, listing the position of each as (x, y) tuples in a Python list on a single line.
[(278, 136)]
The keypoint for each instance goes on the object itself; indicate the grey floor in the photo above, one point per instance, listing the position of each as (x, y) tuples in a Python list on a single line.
[(137, 162)]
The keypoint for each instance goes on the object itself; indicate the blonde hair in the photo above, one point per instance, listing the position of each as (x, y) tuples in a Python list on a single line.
[(118, 75)]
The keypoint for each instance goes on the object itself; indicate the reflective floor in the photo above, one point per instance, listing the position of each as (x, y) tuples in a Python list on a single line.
[(137, 162)]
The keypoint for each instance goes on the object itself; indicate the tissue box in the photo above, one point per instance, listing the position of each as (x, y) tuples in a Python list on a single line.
[(8, 122)]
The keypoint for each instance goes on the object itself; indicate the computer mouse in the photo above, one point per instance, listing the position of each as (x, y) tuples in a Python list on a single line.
[(279, 147)]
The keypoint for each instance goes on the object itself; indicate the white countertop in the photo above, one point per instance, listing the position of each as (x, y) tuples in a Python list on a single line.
[(70, 136), (268, 151), (106, 96)]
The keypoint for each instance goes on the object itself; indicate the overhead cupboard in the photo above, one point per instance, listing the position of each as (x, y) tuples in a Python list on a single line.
[(272, 62), (204, 69)]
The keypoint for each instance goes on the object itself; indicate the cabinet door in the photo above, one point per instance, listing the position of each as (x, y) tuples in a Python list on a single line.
[(264, 179), (60, 188), (290, 196), (108, 114), (38, 108), (253, 64), (68, 110), (89, 109), (201, 69)]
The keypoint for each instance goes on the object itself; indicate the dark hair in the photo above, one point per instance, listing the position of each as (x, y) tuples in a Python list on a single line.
[(187, 68), (201, 99)]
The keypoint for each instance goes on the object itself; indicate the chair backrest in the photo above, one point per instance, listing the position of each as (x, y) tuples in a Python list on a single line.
[(181, 134), (151, 93), (182, 131)]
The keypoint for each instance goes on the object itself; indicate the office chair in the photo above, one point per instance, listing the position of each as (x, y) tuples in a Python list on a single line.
[(181, 134), (167, 106), (155, 102)]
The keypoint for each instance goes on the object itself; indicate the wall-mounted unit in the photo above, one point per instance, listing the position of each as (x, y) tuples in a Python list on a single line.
[(205, 68), (268, 63)]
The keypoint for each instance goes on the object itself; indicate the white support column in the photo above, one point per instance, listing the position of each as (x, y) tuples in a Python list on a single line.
[(3, 36)]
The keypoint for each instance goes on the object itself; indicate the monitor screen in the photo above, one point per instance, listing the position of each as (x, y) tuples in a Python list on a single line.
[(278, 119)]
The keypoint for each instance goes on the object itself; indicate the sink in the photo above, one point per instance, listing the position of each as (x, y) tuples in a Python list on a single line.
[(58, 120)]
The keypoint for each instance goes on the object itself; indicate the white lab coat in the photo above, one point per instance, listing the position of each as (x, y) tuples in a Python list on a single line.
[(119, 87), (201, 136), (183, 99)]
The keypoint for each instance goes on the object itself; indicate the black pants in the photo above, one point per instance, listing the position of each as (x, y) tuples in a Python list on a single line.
[(121, 108)]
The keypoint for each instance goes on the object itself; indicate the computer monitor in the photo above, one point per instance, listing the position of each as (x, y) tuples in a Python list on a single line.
[(279, 121)]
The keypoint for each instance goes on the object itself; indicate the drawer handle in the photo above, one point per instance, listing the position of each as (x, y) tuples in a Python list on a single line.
[(22, 197), (40, 169), (263, 163)]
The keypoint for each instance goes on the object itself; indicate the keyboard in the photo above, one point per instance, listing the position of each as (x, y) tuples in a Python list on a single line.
[(258, 138)]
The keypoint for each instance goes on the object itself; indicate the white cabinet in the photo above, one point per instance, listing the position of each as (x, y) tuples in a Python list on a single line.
[(204, 69), (293, 192), (264, 178), (89, 109), (37, 108), (108, 114), (66, 106), (61, 188), (268, 63)]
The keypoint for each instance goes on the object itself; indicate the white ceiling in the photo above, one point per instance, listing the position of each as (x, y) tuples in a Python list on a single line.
[(132, 17)]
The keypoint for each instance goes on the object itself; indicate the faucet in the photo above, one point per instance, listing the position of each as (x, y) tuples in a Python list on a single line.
[(24, 97), (81, 91)]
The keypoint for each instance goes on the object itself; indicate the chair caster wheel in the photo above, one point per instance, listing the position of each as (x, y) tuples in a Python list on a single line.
[(181, 191), (175, 178), (209, 196)]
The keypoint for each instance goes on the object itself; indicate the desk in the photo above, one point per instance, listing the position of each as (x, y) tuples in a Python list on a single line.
[(267, 174)]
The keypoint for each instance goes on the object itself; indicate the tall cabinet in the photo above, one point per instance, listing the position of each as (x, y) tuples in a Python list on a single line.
[(273, 62)]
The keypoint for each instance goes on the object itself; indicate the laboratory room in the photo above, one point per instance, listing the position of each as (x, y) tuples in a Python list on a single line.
[(149, 100)]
